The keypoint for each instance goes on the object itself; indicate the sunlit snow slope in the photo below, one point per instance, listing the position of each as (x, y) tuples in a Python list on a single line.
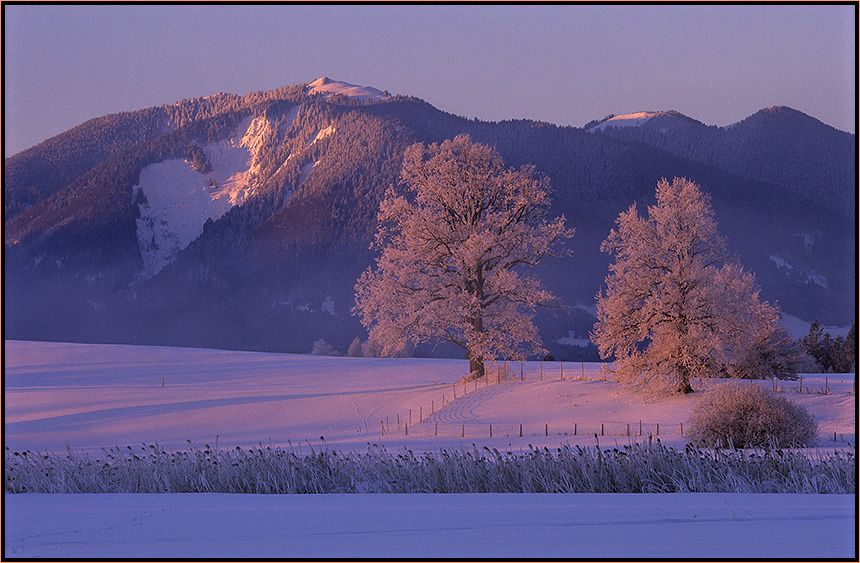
[(94, 396), (179, 199)]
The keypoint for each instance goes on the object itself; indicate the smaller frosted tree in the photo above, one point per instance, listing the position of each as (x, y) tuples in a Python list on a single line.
[(676, 306), (452, 248)]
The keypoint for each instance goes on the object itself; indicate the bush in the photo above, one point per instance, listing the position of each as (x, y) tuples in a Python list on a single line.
[(748, 416), (323, 348)]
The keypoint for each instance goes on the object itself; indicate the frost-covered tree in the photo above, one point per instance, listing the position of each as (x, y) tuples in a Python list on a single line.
[(676, 305), (452, 248)]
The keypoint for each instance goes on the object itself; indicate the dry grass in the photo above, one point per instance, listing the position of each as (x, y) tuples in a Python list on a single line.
[(635, 468)]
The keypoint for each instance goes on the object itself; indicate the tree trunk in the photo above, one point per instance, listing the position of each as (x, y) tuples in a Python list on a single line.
[(684, 386), (476, 365), (476, 360)]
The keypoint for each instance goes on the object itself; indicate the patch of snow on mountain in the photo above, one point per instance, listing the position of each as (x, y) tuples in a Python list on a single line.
[(328, 87), (179, 199), (572, 340), (306, 171), (328, 306), (798, 328), (803, 276), (628, 120)]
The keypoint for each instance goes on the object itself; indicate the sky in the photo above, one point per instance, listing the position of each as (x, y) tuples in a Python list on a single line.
[(563, 64)]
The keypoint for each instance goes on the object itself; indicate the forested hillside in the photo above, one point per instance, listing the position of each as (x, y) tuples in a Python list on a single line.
[(244, 221)]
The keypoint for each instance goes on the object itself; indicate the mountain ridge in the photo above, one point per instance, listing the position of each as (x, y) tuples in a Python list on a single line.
[(80, 219)]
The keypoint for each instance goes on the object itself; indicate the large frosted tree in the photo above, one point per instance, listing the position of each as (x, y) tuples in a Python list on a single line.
[(676, 305), (453, 244)]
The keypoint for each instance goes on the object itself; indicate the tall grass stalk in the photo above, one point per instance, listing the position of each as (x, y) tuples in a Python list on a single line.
[(634, 468)]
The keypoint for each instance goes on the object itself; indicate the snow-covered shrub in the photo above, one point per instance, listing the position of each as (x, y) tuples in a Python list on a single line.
[(323, 348), (745, 415), (354, 350)]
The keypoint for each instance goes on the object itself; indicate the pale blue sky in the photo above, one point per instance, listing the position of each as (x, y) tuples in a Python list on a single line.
[(565, 64)]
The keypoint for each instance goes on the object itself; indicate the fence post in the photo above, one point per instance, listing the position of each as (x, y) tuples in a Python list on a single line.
[(541, 370), (582, 367), (454, 385), (521, 430), (463, 431), (491, 431), (640, 426), (398, 421), (407, 429), (432, 407), (421, 413), (521, 371), (410, 416), (658, 428), (436, 430), (628, 429), (383, 428), (561, 367), (574, 429), (682, 429), (546, 429), (601, 429)]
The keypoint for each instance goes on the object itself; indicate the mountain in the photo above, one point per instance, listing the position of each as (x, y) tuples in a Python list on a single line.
[(244, 221)]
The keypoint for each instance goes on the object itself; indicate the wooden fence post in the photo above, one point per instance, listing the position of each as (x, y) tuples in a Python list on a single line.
[(658, 428), (463, 431), (521, 430), (574, 429), (628, 428), (561, 367), (383, 428), (491, 431), (407, 429), (410, 416), (601, 429), (582, 367), (546, 429), (454, 385), (436, 430), (640, 426), (421, 414), (682, 429), (541, 370)]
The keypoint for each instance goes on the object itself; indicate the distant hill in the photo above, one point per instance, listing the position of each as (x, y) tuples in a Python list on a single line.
[(243, 221)]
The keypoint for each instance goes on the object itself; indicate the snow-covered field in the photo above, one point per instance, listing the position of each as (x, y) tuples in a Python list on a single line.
[(88, 397)]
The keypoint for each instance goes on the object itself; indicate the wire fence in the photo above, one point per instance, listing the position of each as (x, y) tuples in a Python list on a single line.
[(421, 422), (435, 428)]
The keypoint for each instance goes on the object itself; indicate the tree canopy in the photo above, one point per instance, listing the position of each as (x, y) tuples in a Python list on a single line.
[(676, 305), (453, 245)]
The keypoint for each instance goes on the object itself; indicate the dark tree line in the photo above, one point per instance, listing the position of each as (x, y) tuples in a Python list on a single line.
[(832, 354)]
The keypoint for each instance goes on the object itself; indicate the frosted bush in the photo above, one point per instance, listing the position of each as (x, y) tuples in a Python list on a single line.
[(745, 415), (323, 348)]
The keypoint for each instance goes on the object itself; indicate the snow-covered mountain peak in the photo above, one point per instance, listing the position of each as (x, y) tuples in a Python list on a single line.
[(641, 118), (627, 120), (327, 87)]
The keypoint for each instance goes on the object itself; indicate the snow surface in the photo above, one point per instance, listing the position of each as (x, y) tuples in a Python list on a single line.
[(91, 396), (328, 87), (487, 526), (181, 199), (798, 328)]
